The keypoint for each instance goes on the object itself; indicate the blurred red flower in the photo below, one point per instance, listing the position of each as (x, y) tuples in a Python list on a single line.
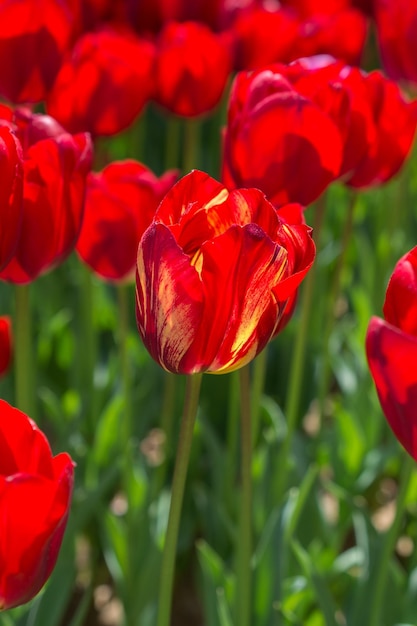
[(342, 34), (55, 165), (278, 140), (395, 121), (35, 496), (150, 16), (376, 122), (335, 27), (34, 36), (215, 271), (11, 190), (104, 83), (396, 22), (264, 37), (5, 344), (391, 347), (120, 204), (192, 67)]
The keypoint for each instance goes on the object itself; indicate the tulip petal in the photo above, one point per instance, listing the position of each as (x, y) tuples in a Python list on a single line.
[(392, 356), (239, 269), (28, 554), (400, 307), (168, 297)]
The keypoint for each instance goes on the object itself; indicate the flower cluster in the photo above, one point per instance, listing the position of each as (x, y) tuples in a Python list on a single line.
[(216, 264)]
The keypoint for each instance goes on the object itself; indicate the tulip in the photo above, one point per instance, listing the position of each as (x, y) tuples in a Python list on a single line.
[(264, 37), (120, 204), (150, 16), (396, 27), (5, 344), (215, 271), (55, 166), (342, 34), (35, 495), (278, 140), (11, 175), (395, 120), (192, 67), (103, 84), (376, 122), (34, 36), (391, 347)]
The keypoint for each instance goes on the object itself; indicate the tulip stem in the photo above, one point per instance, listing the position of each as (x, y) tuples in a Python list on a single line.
[(333, 297), (172, 142), (297, 363), (88, 351), (167, 414), (192, 393), (123, 305), (380, 572), (191, 145), (244, 549), (257, 389), (231, 439), (23, 353)]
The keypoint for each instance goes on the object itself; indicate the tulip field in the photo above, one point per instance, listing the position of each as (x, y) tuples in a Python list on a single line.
[(208, 313)]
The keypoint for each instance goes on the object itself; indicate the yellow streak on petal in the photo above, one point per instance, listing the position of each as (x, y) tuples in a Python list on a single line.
[(197, 261), (234, 365), (255, 306), (142, 283), (219, 199), (256, 302), (174, 319)]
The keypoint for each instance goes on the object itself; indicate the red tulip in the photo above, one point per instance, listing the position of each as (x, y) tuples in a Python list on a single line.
[(396, 22), (151, 15), (120, 204), (104, 84), (11, 175), (279, 140), (5, 344), (395, 121), (264, 37), (309, 8), (391, 347), (34, 36), (55, 168), (376, 122), (192, 68), (35, 495), (215, 271), (341, 34)]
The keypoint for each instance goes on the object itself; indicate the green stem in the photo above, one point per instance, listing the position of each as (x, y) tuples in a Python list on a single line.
[(380, 573), (333, 298), (123, 306), (231, 439), (297, 363), (172, 143), (244, 573), (257, 389), (137, 137), (192, 393), (167, 415), (126, 430), (25, 363), (191, 145), (88, 350)]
